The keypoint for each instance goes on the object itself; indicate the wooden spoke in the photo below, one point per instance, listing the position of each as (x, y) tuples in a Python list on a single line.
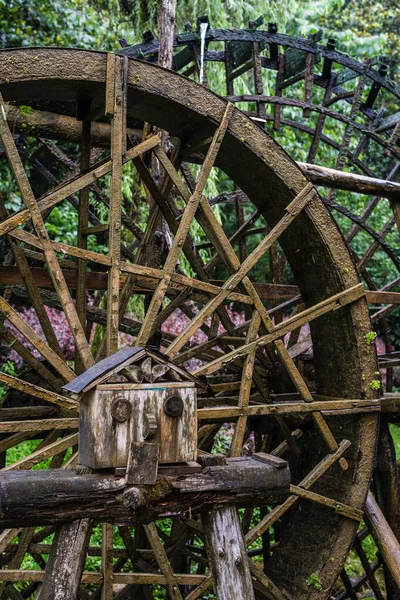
[(118, 146), (75, 185), (15, 319), (291, 212), (184, 226), (333, 303)]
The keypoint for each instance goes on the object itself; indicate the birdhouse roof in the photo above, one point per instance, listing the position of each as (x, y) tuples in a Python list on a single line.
[(122, 359)]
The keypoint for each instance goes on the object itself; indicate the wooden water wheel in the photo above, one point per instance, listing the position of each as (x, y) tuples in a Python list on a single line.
[(324, 423), (344, 116)]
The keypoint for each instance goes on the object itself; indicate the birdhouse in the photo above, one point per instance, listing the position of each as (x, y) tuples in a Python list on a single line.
[(137, 410)]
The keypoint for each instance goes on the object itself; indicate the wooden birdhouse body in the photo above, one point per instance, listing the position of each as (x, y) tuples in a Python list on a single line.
[(114, 415), (132, 405)]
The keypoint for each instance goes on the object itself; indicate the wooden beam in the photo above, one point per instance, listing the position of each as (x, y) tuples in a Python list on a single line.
[(384, 537), (333, 178), (227, 554), (52, 126), (61, 495)]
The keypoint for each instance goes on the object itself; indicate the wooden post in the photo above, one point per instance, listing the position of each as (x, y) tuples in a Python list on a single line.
[(68, 548), (227, 554), (384, 537), (167, 24)]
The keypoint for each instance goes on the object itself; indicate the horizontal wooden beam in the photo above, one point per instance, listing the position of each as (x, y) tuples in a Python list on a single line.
[(50, 125), (30, 498), (284, 408), (352, 182), (118, 578)]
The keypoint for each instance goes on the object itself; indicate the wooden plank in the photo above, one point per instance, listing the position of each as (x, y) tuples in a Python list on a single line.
[(234, 412), (245, 386), (107, 561), (339, 507), (163, 561), (60, 583), (39, 455), (118, 140), (142, 463), (83, 223), (227, 554), (97, 578), (37, 425), (66, 249)]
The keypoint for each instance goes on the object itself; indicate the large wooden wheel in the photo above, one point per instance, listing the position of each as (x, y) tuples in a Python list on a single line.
[(343, 115), (330, 428)]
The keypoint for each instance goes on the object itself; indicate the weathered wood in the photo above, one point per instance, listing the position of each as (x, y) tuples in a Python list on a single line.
[(59, 127), (38, 392), (142, 463), (339, 507), (60, 583), (334, 406), (227, 554), (162, 561), (353, 182), (74, 185), (60, 496), (384, 537), (118, 141), (334, 302), (97, 578), (83, 222)]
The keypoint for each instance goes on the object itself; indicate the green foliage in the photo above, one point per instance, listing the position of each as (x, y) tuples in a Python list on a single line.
[(315, 582), (370, 338), (375, 384)]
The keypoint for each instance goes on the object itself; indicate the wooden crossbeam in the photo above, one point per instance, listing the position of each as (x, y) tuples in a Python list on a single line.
[(291, 212), (332, 303), (74, 185), (333, 406), (45, 452), (42, 347), (38, 425), (37, 220)]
